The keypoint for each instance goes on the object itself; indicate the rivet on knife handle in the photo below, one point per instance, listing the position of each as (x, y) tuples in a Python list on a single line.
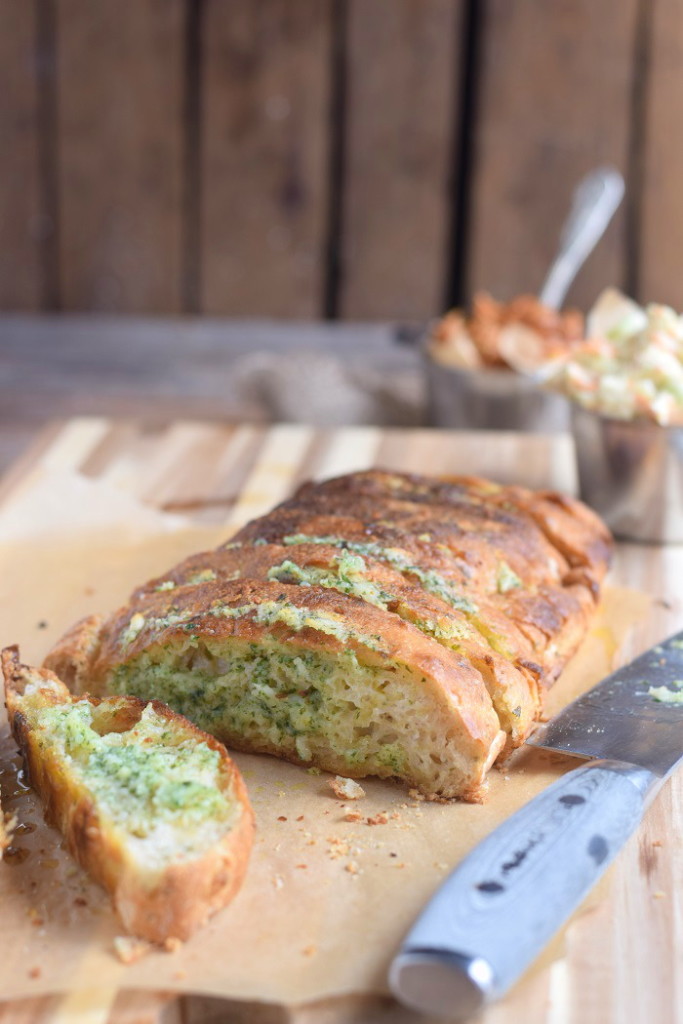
[(502, 904)]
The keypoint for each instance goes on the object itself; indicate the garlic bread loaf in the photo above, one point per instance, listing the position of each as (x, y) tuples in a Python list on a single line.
[(152, 808), (378, 623)]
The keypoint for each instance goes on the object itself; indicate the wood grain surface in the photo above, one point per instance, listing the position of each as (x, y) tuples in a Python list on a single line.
[(661, 211), (265, 91), (120, 131), (622, 955), (95, 1008), (164, 368), (21, 199), (555, 84), (346, 158), (403, 77)]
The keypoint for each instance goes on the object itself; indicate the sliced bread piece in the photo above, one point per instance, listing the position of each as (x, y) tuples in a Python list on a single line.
[(311, 675), (150, 806), (512, 687)]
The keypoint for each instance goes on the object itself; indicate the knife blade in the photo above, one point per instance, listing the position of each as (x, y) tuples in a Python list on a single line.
[(504, 901)]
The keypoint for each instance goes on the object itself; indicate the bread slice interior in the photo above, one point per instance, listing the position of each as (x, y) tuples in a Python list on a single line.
[(153, 808)]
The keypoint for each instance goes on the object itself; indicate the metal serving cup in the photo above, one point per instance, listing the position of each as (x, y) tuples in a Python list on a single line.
[(491, 400), (631, 473)]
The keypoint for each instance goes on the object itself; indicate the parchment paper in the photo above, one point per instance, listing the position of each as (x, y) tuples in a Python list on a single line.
[(326, 901)]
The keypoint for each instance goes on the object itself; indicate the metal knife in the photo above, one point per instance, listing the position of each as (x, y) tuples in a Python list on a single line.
[(504, 901)]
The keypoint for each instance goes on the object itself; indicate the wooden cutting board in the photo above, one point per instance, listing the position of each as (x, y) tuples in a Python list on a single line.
[(620, 957)]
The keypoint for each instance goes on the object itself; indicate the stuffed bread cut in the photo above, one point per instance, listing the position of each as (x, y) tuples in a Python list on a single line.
[(378, 623), (151, 807)]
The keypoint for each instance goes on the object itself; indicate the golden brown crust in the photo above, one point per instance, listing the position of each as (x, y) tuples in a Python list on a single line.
[(471, 528), (70, 658), (156, 905), (541, 527)]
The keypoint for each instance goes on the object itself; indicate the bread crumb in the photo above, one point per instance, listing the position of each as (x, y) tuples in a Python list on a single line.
[(379, 819), (172, 944), (179, 975), (659, 894), (346, 789), (351, 867), (281, 817), (314, 771), (309, 951), (353, 816), (278, 881), (129, 949), (415, 794), (657, 842), (337, 848), (35, 972), (304, 866), (34, 915)]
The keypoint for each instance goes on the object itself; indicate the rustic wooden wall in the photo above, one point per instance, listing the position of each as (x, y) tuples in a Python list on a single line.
[(329, 158), (556, 84), (119, 109), (403, 74), (264, 155), (22, 227)]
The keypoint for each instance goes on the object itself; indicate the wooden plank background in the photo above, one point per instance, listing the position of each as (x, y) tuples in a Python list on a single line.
[(329, 158), (264, 182), (21, 202), (403, 72), (119, 88), (662, 201), (556, 85)]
